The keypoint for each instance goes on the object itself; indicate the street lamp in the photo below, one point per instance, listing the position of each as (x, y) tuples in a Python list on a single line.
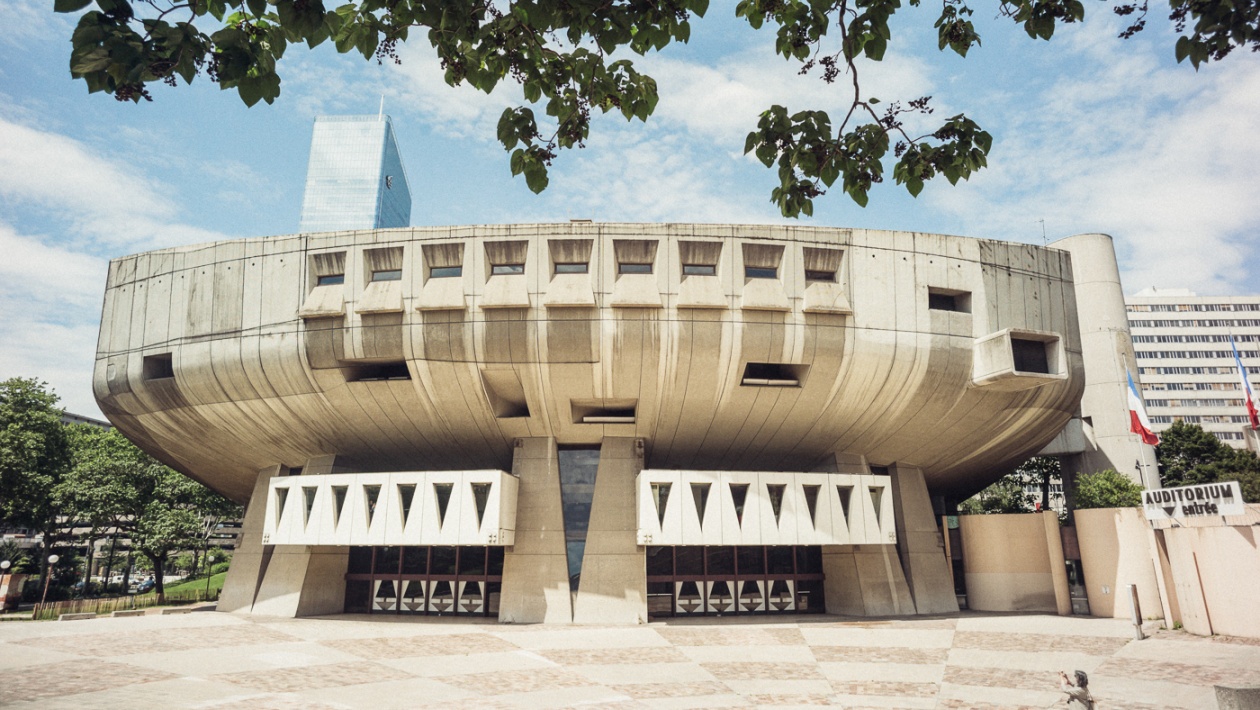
[(209, 571), (52, 560), (4, 572)]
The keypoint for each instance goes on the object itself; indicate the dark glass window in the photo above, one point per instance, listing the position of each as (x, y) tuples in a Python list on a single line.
[(699, 269), (472, 560), (721, 560), (660, 561), (812, 275), (330, 280), (360, 560), (386, 560), (751, 560), (445, 272), (634, 268), (578, 467), (387, 275), (572, 268), (494, 563), (689, 560), (507, 269), (415, 560), (442, 560), (780, 559), (761, 272)]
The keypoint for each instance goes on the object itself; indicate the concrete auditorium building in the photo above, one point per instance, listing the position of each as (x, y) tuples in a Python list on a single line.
[(606, 423)]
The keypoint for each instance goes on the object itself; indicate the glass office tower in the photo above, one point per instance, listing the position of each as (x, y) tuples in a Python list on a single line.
[(355, 178)]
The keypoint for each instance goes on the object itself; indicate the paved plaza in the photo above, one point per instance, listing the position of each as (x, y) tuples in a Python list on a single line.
[(212, 660)]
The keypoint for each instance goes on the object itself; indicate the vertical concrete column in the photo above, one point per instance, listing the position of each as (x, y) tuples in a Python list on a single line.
[(613, 587), (1058, 564), (1107, 351), (536, 568), (919, 543), (249, 559)]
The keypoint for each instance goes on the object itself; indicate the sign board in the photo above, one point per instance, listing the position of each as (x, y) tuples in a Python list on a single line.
[(1203, 500)]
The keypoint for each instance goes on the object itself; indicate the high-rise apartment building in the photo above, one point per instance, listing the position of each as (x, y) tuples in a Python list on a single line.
[(1182, 343), (355, 178)]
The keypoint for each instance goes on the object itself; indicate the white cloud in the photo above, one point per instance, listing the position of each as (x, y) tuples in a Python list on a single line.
[(1160, 157)]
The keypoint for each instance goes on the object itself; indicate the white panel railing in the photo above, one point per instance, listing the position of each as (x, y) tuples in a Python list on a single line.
[(397, 508), (763, 508)]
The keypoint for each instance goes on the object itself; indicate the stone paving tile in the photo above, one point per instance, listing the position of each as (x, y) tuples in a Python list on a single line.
[(819, 699), (749, 670), (892, 654), (954, 704), (859, 622), (129, 642), (1146, 669), (268, 701), (996, 641), (331, 675), (71, 678), (671, 690), (1002, 678), (886, 687), (436, 645), (506, 682), (605, 656), (716, 636)]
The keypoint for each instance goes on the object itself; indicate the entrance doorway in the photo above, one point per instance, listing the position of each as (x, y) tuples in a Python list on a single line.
[(421, 580), (719, 580)]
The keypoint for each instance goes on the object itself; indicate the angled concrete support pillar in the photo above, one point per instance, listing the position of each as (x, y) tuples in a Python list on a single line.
[(919, 544), (613, 587), (865, 580), (249, 561), (536, 568)]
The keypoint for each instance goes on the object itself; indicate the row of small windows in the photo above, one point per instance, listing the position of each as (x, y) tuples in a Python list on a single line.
[(1194, 402), (1181, 307), (1212, 386), (1195, 370), (1239, 323), (1196, 338), (637, 257), (1184, 354), (1228, 435), (1201, 419)]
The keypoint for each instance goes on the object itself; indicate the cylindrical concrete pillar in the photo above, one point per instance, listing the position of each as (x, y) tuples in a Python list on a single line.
[(1107, 351)]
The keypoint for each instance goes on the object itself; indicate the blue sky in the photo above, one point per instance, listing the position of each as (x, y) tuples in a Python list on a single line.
[(1092, 134)]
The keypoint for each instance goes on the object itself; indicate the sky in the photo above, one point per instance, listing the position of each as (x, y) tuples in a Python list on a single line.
[(1091, 134)]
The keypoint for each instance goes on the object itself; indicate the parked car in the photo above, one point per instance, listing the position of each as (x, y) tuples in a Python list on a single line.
[(145, 586)]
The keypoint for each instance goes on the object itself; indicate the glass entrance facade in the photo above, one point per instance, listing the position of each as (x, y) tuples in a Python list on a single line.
[(718, 580), (435, 581)]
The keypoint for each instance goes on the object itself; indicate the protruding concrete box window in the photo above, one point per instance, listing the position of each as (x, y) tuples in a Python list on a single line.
[(948, 299), (327, 297), (382, 271), (773, 374), (700, 286), (570, 283), (506, 285), (826, 287), (763, 289), (635, 283), (603, 411), (443, 270), (1011, 360), (158, 367), (377, 372), (505, 393)]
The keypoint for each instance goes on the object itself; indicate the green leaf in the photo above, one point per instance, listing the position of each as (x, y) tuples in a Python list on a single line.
[(70, 5), (258, 7)]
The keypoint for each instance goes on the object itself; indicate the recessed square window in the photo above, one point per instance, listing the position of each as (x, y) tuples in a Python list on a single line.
[(773, 374), (387, 275), (377, 372), (158, 367), (943, 299), (581, 268), (330, 280), (634, 268), (816, 275), (446, 272), (1031, 355), (507, 269), (761, 272), (699, 270)]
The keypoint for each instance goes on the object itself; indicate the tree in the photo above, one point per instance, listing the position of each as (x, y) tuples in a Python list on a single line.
[(34, 458), (1106, 489), (162, 512), (1189, 455), (1006, 495), (561, 53)]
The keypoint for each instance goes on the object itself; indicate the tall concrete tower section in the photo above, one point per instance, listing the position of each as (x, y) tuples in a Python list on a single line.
[(355, 178), (1107, 351)]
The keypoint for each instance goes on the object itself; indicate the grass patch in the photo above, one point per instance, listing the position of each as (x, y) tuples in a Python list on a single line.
[(194, 585)]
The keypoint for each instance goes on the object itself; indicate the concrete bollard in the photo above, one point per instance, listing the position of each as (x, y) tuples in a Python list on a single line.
[(1136, 608), (176, 610), (76, 617), (128, 612)]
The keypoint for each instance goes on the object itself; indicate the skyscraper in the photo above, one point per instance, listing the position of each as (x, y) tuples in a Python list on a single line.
[(355, 178)]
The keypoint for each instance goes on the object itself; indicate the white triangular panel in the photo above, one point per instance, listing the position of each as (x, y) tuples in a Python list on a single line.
[(737, 530), (821, 529), (651, 529), (783, 530)]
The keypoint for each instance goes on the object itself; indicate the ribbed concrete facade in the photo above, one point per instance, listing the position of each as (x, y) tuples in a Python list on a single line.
[(932, 361)]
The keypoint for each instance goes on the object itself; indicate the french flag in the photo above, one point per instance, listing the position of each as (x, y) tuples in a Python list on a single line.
[(1248, 398), (1139, 423)]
